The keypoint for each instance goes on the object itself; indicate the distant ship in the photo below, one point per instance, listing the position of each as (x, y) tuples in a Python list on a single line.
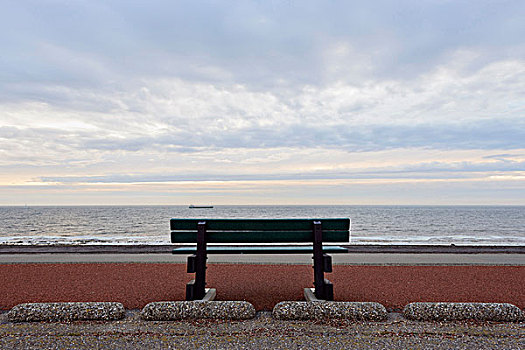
[(200, 206)]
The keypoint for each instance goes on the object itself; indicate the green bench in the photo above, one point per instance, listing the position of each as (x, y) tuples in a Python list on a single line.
[(250, 231)]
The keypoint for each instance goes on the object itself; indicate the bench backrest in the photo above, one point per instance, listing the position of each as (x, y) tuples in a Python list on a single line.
[(259, 230)]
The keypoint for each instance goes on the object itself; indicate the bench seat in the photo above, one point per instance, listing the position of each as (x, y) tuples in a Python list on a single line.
[(259, 249)]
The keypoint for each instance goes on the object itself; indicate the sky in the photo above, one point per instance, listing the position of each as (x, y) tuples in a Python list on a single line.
[(262, 102)]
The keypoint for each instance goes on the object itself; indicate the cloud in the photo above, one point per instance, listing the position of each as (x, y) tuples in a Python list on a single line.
[(445, 109), (503, 156), (257, 44), (420, 170), (260, 91)]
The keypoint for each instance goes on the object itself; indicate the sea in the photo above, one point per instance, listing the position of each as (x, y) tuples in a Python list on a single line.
[(427, 225)]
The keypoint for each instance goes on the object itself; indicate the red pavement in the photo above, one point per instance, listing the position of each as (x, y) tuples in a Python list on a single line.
[(137, 284)]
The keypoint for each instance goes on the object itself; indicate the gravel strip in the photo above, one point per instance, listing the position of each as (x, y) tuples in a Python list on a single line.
[(300, 310), (261, 332), (77, 311), (499, 312), (179, 310)]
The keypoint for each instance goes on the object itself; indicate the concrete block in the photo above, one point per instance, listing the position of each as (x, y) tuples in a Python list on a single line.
[(75, 311), (301, 310), (178, 310), (500, 312)]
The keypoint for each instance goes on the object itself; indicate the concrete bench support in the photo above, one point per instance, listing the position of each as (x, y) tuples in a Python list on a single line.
[(499, 312), (210, 295), (309, 295)]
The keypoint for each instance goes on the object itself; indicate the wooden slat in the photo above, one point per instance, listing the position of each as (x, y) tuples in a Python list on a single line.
[(260, 250), (258, 236), (259, 224)]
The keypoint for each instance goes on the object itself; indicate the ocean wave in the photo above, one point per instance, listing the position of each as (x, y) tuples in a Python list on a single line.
[(82, 240)]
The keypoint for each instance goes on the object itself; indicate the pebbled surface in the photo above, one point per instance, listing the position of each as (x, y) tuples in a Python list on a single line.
[(73, 311), (178, 310), (499, 312), (261, 332), (318, 310)]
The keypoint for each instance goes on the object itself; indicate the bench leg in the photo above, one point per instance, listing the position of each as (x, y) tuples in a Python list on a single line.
[(190, 290), (324, 289), (328, 290), (195, 289)]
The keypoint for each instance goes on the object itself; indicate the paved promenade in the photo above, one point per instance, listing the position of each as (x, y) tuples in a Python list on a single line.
[(400, 259), (393, 279), (134, 277), (358, 255)]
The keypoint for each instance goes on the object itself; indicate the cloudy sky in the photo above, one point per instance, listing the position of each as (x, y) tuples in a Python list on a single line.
[(262, 102)]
